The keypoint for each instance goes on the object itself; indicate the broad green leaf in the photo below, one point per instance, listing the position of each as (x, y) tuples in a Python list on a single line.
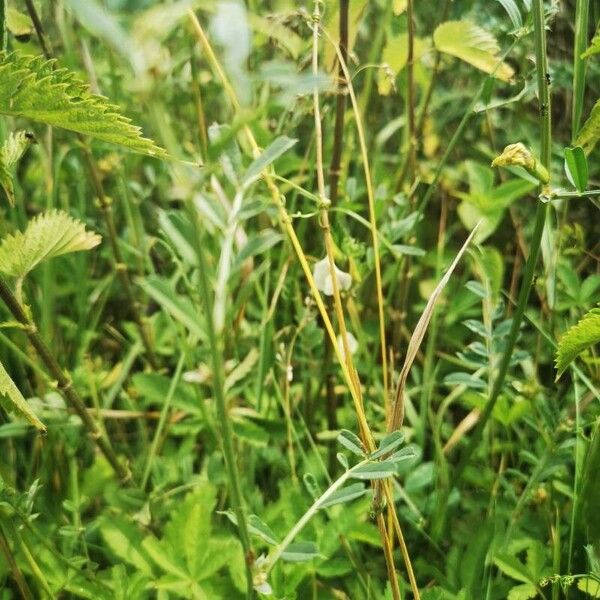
[(474, 45), (590, 586), (376, 470), (576, 168), (589, 134), (577, 339), (48, 235), (272, 152), (512, 567), (389, 443), (262, 530), (524, 591), (11, 152), (178, 306), (346, 494), (164, 557), (395, 57), (34, 88), (300, 552), (513, 12), (13, 401), (594, 47), (124, 540), (18, 23), (351, 441), (589, 499)]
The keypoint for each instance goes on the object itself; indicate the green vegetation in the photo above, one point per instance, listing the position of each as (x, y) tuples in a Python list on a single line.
[(299, 300)]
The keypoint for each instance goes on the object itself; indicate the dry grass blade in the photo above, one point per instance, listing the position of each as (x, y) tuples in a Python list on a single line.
[(417, 337)]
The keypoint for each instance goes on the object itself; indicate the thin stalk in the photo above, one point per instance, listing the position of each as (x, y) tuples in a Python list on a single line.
[(162, 420), (3, 32), (218, 384), (410, 93), (285, 221), (106, 209), (372, 222), (63, 381), (340, 107), (385, 487), (582, 9), (14, 568), (536, 240)]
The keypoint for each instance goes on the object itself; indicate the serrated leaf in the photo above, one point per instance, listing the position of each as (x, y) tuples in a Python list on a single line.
[(474, 45), (48, 235), (389, 443), (589, 134), (300, 552), (375, 470), (351, 441), (576, 168), (13, 401), (11, 152), (577, 339), (34, 88), (590, 586), (346, 494), (272, 152)]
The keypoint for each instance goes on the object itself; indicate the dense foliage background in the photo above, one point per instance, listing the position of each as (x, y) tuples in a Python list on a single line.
[(183, 368)]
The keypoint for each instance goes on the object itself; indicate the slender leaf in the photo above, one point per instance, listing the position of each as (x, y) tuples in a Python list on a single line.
[(576, 168), (345, 494), (351, 441), (272, 152)]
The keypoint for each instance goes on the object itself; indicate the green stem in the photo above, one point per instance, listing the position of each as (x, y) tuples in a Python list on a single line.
[(162, 420), (63, 381), (14, 567), (218, 384), (536, 240), (581, 39), (3, 34)]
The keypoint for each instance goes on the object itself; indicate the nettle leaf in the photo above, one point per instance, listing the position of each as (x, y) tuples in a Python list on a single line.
[(577, 339), (13, 401), (474, 45), (11, 152), (34, 88), (589, 134), (48, 235)]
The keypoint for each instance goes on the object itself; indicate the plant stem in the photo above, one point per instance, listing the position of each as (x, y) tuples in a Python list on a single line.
[(63, 381), (106, 209), (340, 107), (218, 384), (14, 567), (536, 240), (581, 34), (3, 32)]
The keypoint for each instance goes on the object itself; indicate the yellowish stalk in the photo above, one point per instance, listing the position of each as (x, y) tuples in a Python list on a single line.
[(372, 220), (286, 224)]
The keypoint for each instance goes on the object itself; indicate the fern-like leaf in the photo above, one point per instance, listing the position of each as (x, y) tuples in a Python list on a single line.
[(11, 152), (34, 88), (12, 400), (50, 234), (578, 338)]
